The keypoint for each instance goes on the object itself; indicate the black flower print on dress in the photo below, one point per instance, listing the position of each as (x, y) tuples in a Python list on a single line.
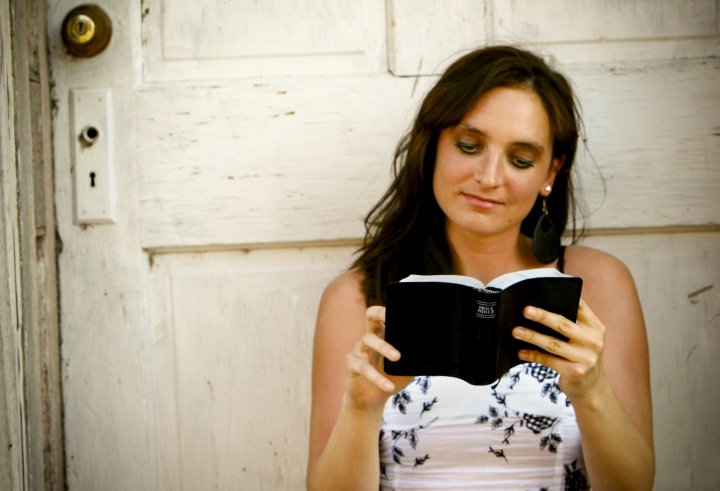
[(574, 478), (541, 373), (498, 453), (536, 424), (423, 383), (402, 401), (427, 406), (421, 460), (412, 437)]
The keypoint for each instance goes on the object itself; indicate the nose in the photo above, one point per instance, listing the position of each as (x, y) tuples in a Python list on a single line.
[(489, 170)]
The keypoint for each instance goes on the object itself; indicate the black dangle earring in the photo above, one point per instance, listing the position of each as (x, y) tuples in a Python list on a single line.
[(546, 238)]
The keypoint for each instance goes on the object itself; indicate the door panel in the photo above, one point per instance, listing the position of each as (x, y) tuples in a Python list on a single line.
[(232, 332), (265, 162), (677, 276), (227, 40), (562, 22)]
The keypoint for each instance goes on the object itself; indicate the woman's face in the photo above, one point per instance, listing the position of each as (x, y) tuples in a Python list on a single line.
[(490, 168)]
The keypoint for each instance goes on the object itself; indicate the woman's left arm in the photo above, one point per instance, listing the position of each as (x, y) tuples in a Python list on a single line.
[(604, 371)]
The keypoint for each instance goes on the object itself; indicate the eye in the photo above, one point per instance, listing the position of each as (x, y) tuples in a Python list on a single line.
[(520, 162), (469, 148)]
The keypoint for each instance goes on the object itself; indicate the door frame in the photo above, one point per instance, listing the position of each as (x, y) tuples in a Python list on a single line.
[(30, 397)]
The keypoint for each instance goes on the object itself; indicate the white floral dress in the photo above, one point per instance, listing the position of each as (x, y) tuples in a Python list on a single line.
[(519, 434)]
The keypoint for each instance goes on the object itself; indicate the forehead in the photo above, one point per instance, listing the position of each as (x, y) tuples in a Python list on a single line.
[(510, 113)]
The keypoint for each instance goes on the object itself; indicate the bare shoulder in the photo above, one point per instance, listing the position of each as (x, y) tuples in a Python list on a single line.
[(344, 292), (608, 287), (595, 265), (341, 315), (603, 274), (609, 290)]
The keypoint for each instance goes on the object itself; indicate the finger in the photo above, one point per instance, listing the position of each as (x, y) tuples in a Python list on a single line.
[(375, 320), (550, 344), (556, 363), (586, 316), (372, 342), (556, 322), (362, 367)]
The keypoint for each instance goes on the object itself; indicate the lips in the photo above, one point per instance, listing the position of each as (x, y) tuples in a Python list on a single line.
[(482, 202)]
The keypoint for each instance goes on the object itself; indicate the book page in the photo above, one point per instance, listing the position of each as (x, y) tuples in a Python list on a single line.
[(445, 278), (508, 279), (501, 282)]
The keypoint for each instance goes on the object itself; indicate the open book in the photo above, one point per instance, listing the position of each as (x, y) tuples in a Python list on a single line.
[(454, 325)]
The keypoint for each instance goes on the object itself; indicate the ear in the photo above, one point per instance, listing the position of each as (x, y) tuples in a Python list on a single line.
[(555, 166)]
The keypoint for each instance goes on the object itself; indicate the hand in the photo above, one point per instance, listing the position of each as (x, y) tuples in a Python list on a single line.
[(579, 359), (367, 383)]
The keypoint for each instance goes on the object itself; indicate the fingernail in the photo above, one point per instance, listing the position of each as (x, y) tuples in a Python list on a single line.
[(523, 355), (519, 332), (530, 311), (394, 354), (388, 386)]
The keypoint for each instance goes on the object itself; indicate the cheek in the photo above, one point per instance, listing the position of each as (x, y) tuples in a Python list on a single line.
[(438, 185), (443, 184), (450, 170), (448, 173), (526, 195)]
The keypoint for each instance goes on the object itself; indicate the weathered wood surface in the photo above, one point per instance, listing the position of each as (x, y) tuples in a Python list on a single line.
[(425, 36), (232, 336), (314, 155), (30, 404), (103, 311), (678, 278), (227, 40), (12, 475)]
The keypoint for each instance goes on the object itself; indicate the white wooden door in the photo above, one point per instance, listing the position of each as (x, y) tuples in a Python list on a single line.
[(248, 141)]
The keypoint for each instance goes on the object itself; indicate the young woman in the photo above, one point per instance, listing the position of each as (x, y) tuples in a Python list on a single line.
[(490, 154)]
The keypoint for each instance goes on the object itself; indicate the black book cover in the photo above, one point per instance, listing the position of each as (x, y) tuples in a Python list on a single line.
[(461, 331)]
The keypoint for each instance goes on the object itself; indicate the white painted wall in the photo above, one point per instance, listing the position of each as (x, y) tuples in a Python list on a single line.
[(244, 167)]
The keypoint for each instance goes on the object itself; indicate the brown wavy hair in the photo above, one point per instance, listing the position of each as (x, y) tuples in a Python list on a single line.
[(405, 230)]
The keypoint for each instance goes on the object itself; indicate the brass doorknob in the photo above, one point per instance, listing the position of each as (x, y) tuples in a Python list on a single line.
[(86, 30)]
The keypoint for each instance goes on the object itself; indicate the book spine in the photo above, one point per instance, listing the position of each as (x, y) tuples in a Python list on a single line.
[(486, 306), (486, 313)]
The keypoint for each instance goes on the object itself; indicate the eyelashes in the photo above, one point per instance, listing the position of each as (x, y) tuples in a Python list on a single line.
[(468, 148), (472, 149), (521, 163)]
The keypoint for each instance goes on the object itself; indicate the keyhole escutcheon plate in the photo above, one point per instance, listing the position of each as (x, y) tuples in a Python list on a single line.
[(93, 168)]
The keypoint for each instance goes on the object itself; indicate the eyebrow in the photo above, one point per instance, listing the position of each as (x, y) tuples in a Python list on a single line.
[(525, 144)]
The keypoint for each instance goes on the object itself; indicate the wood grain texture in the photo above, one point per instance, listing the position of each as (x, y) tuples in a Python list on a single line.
[(31, 404), (424, 37), (228, 40), (102, 310), (316, 154), (652, 152), (232, 350), (280, 162), (12, 473), (678, 278), (559, 21)]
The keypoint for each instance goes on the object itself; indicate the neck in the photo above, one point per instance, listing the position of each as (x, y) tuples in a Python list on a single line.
[(489, 257)]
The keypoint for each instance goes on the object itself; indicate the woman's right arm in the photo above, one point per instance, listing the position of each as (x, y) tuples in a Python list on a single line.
[(348, 389)]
